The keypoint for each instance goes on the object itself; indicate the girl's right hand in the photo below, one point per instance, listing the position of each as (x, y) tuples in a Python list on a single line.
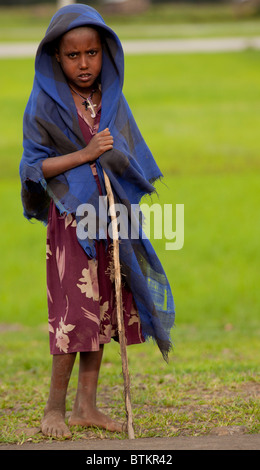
[(100, 143)]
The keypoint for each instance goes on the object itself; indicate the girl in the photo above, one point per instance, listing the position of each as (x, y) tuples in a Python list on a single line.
[(77, 123)]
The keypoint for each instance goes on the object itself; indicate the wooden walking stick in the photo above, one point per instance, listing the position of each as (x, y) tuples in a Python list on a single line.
[(119, 309)]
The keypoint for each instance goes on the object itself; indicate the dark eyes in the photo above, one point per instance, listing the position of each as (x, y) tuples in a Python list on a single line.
[(73, 55)]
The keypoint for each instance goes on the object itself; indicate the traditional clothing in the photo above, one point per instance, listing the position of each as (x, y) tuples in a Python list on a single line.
[(81, 290), (52, 128)]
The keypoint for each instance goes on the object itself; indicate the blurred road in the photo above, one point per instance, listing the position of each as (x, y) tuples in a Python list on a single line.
[(151, 46)]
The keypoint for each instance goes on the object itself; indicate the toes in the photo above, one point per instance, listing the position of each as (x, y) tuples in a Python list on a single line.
[(66, 433), (58, 431)]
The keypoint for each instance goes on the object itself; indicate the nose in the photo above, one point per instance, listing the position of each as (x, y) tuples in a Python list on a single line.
[(83, 62)]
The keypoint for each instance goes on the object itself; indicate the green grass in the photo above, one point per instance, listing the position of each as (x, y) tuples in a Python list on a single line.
[(205, 109), (159, 21), (200, 116)]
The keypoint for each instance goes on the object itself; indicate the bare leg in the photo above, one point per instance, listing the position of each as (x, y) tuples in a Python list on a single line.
[(85, 412), (53, 423)]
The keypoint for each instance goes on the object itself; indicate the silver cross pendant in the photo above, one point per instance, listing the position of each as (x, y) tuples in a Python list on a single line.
[(89, 105)]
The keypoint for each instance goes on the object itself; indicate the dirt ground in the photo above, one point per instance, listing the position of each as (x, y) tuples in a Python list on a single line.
[(223, 441), (229, 437)]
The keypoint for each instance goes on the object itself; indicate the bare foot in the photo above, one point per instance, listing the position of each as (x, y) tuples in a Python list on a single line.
[(96, 418), (53, 425)]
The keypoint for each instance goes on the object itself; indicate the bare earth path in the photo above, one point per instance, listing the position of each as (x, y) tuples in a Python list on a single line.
[(9, 50), (225, 442)]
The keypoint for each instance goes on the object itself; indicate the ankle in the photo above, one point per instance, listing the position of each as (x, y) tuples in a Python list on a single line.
[(83, 406), (54, 408)]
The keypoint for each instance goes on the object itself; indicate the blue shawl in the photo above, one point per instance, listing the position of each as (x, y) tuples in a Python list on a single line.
[(51, 128)]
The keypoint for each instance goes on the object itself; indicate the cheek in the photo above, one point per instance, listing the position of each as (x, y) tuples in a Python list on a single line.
[(99, 65), (67, 67)]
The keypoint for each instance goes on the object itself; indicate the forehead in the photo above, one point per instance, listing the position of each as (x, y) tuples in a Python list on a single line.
[(83, 34)]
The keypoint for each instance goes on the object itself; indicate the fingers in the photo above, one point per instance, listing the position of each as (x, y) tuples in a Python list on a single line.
[(105, 133), (99, 144), (106, 139)]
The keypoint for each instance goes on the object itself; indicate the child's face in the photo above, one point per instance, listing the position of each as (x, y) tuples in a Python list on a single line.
[(80, 57)]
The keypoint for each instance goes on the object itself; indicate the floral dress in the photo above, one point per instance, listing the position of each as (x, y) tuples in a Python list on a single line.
[(80, 290)]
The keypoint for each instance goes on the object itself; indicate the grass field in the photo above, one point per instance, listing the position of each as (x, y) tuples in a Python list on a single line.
[(200, 116), (159, 21)]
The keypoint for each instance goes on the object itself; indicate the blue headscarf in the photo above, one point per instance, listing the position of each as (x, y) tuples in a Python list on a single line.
[(51, 128)]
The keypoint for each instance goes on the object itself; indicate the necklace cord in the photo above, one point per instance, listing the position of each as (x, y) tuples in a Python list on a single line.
[(88, 103)]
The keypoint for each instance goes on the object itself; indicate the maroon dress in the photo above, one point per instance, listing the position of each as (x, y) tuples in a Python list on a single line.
[(81, 292)]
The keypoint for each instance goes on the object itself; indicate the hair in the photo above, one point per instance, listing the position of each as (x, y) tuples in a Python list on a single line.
[(56, 43)]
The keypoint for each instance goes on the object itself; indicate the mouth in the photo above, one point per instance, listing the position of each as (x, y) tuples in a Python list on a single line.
[(85, 77)]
